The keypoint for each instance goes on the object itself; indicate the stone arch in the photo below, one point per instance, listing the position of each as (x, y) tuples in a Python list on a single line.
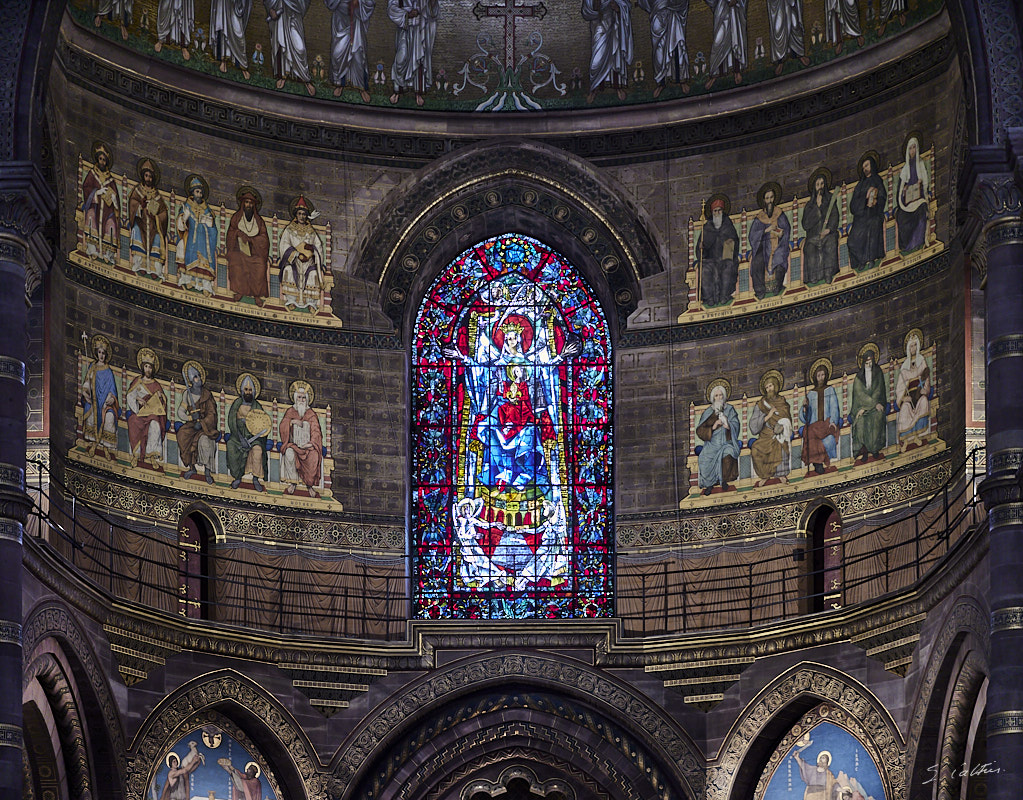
[(49, 696), (963, 631), (780, 705), (499, 187), (53, 636), (576, 698), (227, 694)]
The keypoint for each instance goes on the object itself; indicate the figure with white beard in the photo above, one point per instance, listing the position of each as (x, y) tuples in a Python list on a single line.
[(728, 52), (301, 442), (228, 19), (868, 408), (286, 19), (786, 17), (718, 248), (611, 53), (718, 428)]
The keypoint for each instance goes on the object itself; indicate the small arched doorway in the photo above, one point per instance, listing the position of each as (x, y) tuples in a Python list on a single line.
[(196, 536), (822, 580)]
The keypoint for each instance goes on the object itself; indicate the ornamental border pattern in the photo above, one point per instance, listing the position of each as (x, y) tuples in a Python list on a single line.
[(1005, 460), (11, 736), (306, 138), (180, 708), (967, 616), (830, 686), (12, 476), (1007, 619), (598, 688), (237, 521), (760, 520), (1001, 723), (12, 369), (56, 621), (1007, 346), (10, 632)]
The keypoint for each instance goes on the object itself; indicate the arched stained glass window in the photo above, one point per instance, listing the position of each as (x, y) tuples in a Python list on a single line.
[(511, 439)]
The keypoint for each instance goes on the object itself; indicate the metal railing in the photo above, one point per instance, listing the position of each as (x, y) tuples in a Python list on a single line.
[(347, 596)]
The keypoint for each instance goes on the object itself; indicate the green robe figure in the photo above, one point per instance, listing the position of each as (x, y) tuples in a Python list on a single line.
[(249, 425), (868, 408)]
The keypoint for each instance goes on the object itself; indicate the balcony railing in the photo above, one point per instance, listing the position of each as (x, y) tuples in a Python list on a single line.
[(347, 595)]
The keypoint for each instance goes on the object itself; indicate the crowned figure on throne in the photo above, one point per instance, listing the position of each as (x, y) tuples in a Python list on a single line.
[(513, 346)]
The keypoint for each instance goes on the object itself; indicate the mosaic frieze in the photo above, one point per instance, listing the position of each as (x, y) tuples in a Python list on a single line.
[(499, 56), (776, 251), (138, 424), (820, 433), (224, 256)]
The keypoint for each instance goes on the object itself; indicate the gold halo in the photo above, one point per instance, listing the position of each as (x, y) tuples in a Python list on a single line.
[(255, 384), (101, 341), (820, 172), (303, 384), (919, 334), (245, 189), (100, 145), (259, 771), (198, 366), (772, 373), (310, 208), (825, 362), (872, 155), (723, 198), (772, 186), (719, 382), (914, 134), (192, 180), (166, 759), (825, 753), (148, 163), (147, 353), (869, 347)]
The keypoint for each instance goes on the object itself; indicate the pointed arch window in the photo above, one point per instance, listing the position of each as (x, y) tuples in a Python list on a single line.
[(511, 439)]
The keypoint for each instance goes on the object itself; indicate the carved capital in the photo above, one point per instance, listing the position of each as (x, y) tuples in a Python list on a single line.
[(996, 207), (26, 201), (1000, 491)]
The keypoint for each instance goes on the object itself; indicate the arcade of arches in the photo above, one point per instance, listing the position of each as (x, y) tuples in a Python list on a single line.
[(450, 400)]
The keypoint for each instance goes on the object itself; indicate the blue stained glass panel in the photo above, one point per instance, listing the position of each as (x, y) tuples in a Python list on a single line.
[(512, 442)]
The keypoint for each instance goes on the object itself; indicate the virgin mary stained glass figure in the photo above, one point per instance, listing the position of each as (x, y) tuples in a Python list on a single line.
[(511, 473)]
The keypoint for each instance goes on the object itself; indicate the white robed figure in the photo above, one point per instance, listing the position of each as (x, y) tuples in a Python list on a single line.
[(513, 532)]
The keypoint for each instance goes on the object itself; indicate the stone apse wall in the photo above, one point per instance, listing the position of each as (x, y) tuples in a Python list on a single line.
[(674, 338)]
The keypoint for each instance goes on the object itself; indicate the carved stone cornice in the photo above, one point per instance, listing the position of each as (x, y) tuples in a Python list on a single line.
[(26, 201)]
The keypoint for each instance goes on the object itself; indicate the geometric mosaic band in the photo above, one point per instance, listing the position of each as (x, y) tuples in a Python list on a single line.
[(1008, 346), (1004, 722), (11, 475), (1004, 515), (10, 530), (1007, 619), (10, 632), (1009, 459), (10, 736), (12, 369)]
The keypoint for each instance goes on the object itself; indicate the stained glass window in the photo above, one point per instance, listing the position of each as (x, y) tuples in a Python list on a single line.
[(511, 440)]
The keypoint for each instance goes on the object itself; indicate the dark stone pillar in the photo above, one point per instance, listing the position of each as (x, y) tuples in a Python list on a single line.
[(25, 202), (997, 204)]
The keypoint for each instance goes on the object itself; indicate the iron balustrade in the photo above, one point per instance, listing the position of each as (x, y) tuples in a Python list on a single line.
[(364, 598)]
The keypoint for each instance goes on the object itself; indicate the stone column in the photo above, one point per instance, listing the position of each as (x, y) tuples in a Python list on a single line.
[(997, 203), (25, 202)]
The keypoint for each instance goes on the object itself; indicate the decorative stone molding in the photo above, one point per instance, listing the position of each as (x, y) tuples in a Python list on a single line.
[(966, 617), (957, 726), (608, 697), (11, 369), (1007, 346), (1008, 459), (1001, 723), (11, 736), (1003, 67), (861, 711), (10, 530), (178, 712), (10, 632), (65, 708), (1007, 619), (55, 621), (428, 220)]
